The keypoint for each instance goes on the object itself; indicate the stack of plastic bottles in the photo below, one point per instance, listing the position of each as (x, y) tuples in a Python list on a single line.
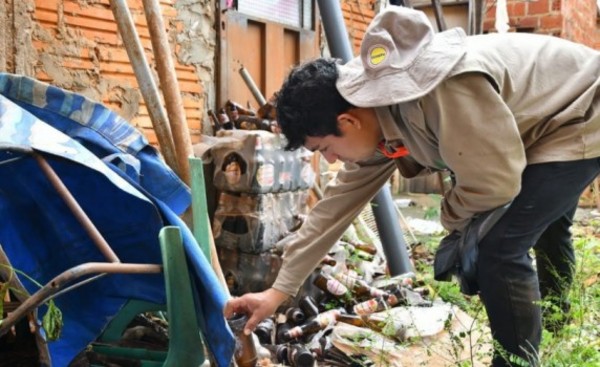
[(263, 196)]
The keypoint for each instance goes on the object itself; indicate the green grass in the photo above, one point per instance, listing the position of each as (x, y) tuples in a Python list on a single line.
[(578, 342)]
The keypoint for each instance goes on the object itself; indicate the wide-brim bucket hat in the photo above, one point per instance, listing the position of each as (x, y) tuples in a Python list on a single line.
[(401, 59)]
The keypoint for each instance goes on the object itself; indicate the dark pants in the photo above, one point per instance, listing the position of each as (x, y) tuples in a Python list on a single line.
[(539, 218)]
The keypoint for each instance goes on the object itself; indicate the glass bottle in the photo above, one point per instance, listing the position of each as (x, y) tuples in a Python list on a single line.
[(319, 322), (245, 350), (330, 285), (264, 331), (214, 121), (224, 120), (309, 306), (379, 304), (299, 356), (294, 316)]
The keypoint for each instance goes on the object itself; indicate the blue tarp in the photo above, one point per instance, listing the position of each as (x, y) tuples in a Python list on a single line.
[(121, 183)]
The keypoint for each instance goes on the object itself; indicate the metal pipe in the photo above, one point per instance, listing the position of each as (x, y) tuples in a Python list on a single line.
[(252, 86), (332, 21), (55, 285), (439, 15), (76, 209), (388, 224), (392, 239), (148, 88), (170, 88), (475, 19)]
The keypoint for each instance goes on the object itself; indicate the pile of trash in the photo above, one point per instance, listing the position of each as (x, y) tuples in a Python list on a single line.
[(349, 313)]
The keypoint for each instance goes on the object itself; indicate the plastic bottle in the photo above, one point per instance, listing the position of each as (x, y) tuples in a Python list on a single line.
[(265, 171)]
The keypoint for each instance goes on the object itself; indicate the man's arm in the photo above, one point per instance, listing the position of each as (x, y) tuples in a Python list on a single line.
[(344, 198)]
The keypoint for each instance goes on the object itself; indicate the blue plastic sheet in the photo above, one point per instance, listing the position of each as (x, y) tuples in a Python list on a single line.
[(121, 183)]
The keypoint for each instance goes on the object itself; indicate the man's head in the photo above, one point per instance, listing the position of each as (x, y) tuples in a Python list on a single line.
[(312, 113)]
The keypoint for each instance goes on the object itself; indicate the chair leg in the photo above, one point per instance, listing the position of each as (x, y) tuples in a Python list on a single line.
[(185, 341)]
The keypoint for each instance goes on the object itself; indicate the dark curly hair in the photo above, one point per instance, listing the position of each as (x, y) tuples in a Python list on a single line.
[(308, 103)]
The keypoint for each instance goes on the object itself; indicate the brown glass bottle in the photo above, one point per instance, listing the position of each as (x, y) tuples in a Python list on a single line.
[(330, 285), (245, 350), (281, 335), (264, 331), (328, 260), (319, 322), (224, 120), (299, 356), (294, 316), (245, 122), (355, 320), (279, 353), (379, 304), (359, 287), (234, 113), (366, 247), (309, 306), (214, 121), (230, 105)]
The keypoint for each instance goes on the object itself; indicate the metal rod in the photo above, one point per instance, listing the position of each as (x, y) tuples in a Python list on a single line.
[(439, 15), (170, 88), (76, 209), (392, 239), (148, 88), (335, 30), (478, 15), (252, 86), (68, 275)]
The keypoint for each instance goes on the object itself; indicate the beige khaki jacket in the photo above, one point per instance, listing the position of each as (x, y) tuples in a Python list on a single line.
[(513, 100)]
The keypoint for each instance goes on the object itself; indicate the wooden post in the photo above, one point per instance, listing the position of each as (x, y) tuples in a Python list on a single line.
[(144, 78), (170, 89)]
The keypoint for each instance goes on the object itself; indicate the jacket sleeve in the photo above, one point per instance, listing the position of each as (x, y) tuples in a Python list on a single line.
[(343, 199), (479, 141)]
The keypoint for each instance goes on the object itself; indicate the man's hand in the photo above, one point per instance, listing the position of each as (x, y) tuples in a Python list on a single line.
[(257, 306)]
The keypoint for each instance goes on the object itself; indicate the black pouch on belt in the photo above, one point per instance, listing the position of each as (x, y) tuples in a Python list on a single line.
[(457, 253)]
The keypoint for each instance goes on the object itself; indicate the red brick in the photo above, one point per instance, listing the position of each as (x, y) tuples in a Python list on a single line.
[(528, 22), (538, 7), (516, 9), (488, 25), (551, 22)]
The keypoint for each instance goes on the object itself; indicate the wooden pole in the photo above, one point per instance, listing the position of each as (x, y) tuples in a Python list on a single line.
[(144, 78), (170, 88)]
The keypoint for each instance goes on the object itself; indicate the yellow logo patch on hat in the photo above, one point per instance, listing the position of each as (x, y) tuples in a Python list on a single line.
[(377, 54)]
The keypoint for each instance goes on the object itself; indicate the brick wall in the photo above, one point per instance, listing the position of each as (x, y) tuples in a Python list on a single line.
[(573, 20), (357, 16), (77, 47)]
